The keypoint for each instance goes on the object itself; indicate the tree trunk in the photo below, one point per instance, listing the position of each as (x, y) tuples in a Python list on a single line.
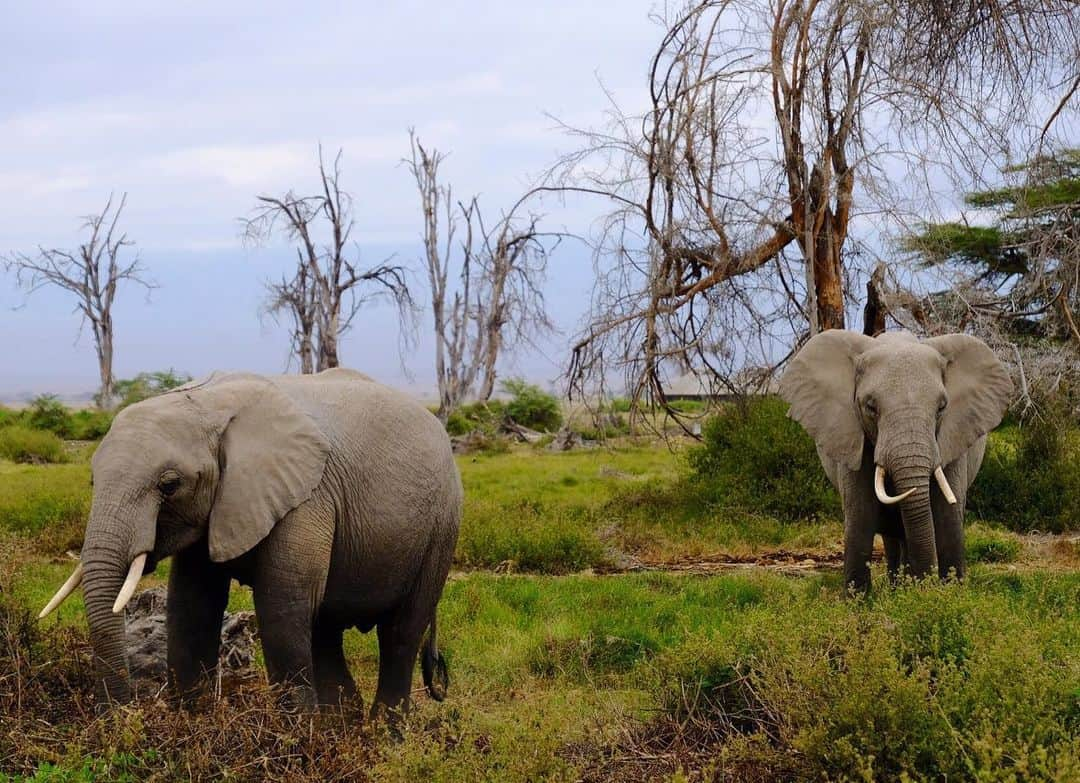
[(875, 311), (828, 278), (105, 362)]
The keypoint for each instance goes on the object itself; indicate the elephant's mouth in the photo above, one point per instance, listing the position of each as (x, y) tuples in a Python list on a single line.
[(884, 497)]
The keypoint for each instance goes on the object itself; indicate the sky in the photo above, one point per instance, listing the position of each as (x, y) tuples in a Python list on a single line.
[(194, 108)]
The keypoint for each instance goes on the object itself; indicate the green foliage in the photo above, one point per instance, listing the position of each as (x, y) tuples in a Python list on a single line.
[(148, 384), (46, 412), (935, 682), (1030, 476), (753, 457), (23, 444), (89, 424), (989, 545), (483, 416), (530, 406)]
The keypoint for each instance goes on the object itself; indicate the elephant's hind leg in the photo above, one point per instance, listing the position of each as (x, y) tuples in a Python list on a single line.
[(399, 644), (334, 684)]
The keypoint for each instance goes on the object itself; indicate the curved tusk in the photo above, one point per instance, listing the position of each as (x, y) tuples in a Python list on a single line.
[(65, 590), (879, 488), (128, 588), (943, 482)]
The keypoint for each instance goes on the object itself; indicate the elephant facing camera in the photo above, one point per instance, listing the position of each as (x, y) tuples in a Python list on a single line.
[(900, 426)]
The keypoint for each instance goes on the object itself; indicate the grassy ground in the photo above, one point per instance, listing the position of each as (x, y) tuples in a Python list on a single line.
[(560, 673)]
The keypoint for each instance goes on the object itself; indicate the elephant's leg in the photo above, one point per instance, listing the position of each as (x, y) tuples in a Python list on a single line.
[(290, 581), (949, 522), (894, 556), (861, 521), (198, 593), (285, 624), (334, 684), (399, 643)]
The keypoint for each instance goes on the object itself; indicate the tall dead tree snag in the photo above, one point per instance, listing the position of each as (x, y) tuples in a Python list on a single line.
[(768, 124), (93, 274), (328, 287), (496, 300)]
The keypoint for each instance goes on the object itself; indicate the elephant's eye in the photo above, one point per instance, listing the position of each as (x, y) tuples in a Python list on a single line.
[(169, 486), (871, 407), (941, 406)]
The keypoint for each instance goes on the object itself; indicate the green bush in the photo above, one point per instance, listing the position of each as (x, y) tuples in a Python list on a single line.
[(23, 444), (754, 458), (1030, 476), (46, 412), (987, 545), (530, 406), (483, 416), (931, 682), (148, 384), (89, 424)]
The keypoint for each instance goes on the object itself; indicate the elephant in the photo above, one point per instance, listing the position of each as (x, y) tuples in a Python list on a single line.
[(886, 414), (335, 498)]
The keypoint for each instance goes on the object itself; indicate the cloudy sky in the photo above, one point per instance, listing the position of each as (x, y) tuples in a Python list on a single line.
[(193, 108)]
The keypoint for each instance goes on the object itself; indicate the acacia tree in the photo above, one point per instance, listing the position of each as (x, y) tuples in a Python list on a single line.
[(733, 194), (328, 287), (92, 273), (498, 301)]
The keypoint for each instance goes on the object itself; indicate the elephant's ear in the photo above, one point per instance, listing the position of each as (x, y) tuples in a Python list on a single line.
[(819, 383), (272, 457), (979, 390)]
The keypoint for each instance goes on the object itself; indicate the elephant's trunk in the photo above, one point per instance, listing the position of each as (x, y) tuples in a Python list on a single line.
[(115, 535), (909, 455)]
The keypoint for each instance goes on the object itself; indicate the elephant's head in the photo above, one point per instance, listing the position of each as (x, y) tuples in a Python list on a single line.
[(919, 405), (215, 464)]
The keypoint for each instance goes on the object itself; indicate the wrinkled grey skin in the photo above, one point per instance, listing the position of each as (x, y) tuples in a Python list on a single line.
[(335, 498), (909, 406)]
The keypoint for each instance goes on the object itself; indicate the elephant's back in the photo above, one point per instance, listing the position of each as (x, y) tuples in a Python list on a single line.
[(383, 440)]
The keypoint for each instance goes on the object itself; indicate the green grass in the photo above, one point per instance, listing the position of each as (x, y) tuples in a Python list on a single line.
[(28, 445), (555, 675)]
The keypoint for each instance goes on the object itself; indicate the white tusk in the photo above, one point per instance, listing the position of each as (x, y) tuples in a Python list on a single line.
[(943, 482), (128, 588), (65, 590), (879, 488)]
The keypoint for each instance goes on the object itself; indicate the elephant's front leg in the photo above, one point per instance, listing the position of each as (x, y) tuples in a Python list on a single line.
[(285, 621), (290, 580), (861, 521), (949, 521), (198, 593)]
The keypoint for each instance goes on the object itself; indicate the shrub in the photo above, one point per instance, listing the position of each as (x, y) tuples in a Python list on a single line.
[(484, 416), (89, 424), (753, 457), (23, 444), (46, 412), (1030, 476), (930, 682), (148, 384), (531, 406), (987, 545)]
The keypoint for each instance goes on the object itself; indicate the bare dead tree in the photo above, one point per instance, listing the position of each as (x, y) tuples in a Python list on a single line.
[(733, 195), (328, 288), (93, 274), (295, 298), (498, 301)]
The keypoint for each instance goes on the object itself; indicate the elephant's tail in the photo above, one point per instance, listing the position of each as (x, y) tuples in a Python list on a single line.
[(433, 666)]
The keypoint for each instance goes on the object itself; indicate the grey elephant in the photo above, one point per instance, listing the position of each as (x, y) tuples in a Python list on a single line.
[(335, 498), (887, 414)]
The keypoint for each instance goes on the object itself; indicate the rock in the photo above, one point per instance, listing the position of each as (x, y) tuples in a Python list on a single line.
[(146, 634)]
